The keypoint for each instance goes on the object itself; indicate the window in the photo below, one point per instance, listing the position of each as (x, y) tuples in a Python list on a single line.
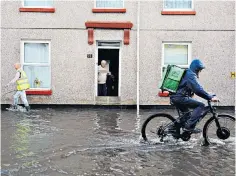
[(110, 44), (36, 63), (176, 54), (109, 3), (37, 3), (178, 4)]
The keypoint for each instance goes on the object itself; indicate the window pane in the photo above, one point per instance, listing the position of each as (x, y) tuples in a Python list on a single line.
[(177, 4), (175, 54), (36, 53), (39, 73), (115, 44), (109, 3), (40, 3)]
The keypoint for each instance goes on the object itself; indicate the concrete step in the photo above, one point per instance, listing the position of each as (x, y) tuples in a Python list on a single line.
[(106, 100)]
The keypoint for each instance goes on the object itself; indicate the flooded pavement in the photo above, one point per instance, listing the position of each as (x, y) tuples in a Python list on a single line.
[(106, 142)]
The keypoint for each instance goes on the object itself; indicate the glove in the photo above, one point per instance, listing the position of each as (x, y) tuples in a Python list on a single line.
[(215, 99)]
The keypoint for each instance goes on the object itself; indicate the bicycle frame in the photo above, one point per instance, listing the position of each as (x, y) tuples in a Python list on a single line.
[(214, 113), (208, 109)]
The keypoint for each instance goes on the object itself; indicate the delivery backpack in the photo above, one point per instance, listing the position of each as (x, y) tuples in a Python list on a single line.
[(171, 79)]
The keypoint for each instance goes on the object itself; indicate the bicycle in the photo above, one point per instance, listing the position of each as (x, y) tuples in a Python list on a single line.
[(161, 130)]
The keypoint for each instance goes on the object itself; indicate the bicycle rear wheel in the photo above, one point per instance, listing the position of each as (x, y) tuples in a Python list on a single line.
[(154, 126), (212, 134)]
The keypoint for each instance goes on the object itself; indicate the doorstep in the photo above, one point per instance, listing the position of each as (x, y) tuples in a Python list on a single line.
[(107, 100)]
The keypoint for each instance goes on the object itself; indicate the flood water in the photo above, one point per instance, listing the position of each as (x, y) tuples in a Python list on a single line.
[(103, 142)]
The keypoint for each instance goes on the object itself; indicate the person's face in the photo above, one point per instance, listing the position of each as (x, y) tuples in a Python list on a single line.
[(103, 63), (16, 66), (198, 73)]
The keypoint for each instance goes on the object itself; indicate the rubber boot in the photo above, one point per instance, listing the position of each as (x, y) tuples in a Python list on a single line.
[(27, 108), (13, 106)]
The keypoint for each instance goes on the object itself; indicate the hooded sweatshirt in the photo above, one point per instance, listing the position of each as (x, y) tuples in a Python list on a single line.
[(189, 85)]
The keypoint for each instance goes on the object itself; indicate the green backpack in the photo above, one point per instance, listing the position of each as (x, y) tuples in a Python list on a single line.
[(171, 78)]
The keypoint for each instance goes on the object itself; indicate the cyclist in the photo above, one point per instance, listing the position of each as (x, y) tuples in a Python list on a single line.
[(183, 100)]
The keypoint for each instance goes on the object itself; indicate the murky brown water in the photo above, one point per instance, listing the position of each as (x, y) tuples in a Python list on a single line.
[(79, 142)]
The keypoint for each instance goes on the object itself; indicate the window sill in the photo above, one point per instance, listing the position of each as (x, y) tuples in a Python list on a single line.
[(41, 10), (178, 12), (38, 92), (163, 94), (100, 10)]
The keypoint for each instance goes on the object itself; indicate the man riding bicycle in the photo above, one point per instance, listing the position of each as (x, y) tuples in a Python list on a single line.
[(183, 100)]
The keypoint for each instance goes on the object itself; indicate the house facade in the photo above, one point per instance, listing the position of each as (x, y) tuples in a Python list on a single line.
[(61, 43)]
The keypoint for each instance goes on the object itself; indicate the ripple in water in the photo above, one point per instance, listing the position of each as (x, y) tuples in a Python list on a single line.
[(101, 142)]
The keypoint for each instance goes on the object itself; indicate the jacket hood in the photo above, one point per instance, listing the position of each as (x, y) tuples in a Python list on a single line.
[(196, 66)]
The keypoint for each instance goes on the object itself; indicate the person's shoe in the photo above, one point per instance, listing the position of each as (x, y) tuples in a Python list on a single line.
[(27, 108), (193, 130), (13, 106), (190, 129)]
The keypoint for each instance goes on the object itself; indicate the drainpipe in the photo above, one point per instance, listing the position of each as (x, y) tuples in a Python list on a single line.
[(138, 21)]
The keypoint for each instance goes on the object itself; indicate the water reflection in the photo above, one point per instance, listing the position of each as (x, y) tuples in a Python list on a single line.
[(21, 139), (107, 122), (21, 142)]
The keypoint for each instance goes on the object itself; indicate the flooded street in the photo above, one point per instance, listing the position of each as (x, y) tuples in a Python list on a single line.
[(106, 142)]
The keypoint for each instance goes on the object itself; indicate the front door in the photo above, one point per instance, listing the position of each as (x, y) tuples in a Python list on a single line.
[(111, 54)]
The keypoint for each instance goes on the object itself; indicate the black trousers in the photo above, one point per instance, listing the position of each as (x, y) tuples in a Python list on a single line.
[(102, 90)]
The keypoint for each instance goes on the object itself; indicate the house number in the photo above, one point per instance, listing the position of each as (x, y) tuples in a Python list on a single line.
[(89, 56)]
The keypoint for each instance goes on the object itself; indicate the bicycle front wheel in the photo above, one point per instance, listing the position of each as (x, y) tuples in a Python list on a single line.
[(154, 125), (225, 134)]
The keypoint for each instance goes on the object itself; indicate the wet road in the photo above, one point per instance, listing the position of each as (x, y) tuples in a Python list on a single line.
[(80, 142)]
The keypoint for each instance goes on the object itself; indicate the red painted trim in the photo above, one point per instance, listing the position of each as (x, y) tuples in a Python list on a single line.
[(109, 25), (126, 36), (42, 10), (90, 36), (178, 12), (38, 92), (96, 10), (163, 94)]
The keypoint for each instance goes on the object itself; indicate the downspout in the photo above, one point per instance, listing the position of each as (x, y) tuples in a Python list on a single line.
[(138, 21)]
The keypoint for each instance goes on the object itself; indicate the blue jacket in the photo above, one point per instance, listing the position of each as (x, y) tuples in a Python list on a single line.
[(189, 84)]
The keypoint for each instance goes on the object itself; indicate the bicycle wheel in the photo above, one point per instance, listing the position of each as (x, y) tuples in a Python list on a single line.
[(212, 134), (154, 125)]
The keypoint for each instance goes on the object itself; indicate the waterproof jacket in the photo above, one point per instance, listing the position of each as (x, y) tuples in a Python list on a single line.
[(189, 84)]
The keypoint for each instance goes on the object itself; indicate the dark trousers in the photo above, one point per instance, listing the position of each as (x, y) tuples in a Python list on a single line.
[(102, 90), (186, 103)]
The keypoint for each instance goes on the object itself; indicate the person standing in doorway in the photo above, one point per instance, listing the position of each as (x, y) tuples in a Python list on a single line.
[(102, 78), (22, 84), (110, 85)]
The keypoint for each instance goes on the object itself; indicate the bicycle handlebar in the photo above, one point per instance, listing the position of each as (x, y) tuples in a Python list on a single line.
[(212, 109)]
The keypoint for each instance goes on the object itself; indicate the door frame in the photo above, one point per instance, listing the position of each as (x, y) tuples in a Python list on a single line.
[(96, 63)]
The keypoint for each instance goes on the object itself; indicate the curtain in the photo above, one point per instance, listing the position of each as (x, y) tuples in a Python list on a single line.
[(43, 3), (175, 54), (178, 4), (109, 3), (42, 73), (36, 53)]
